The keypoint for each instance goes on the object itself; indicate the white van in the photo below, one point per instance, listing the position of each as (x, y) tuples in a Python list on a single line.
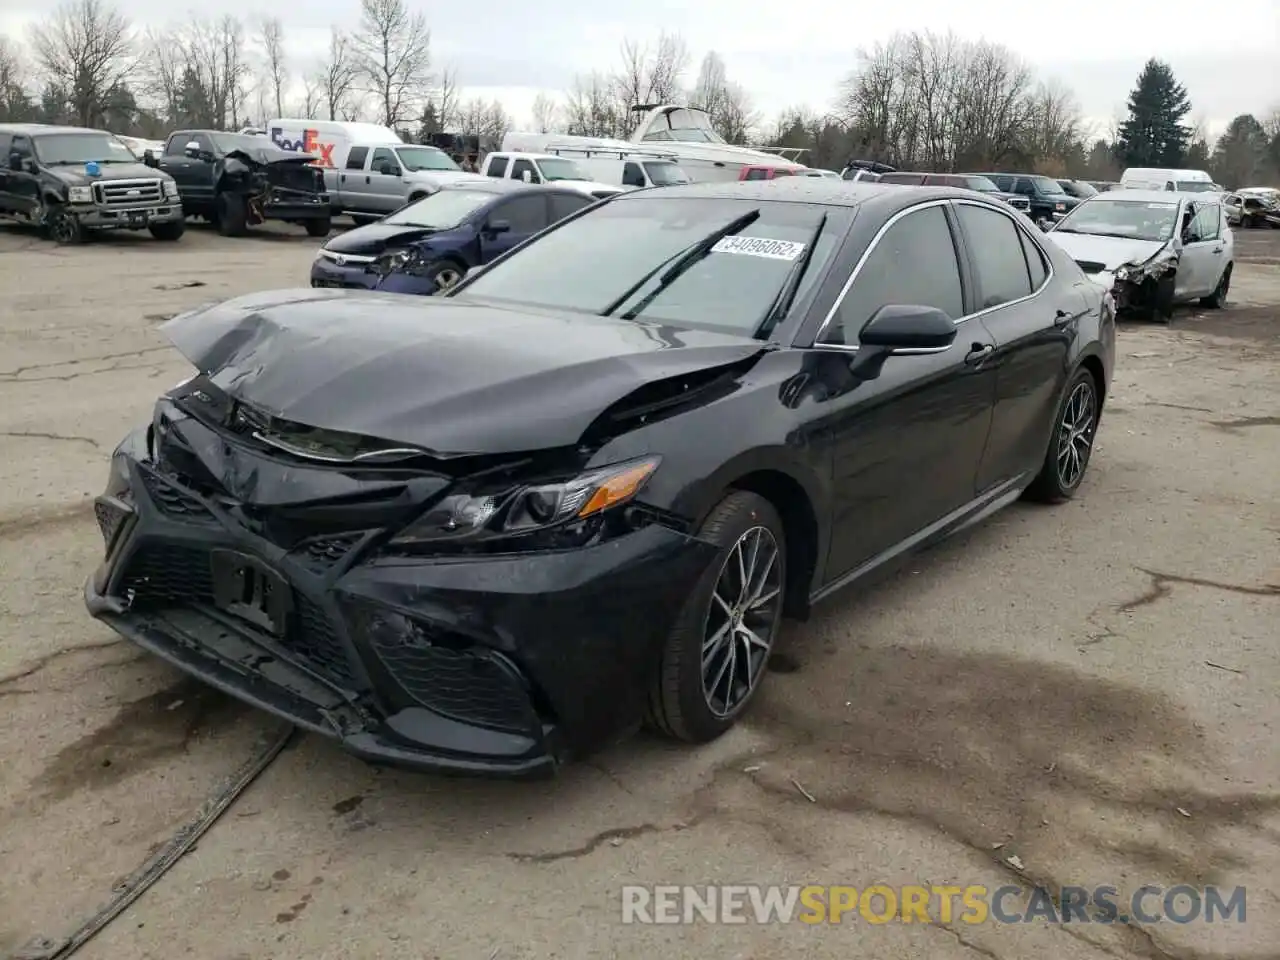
[(1161, 178), (545, 168), (329, 140)]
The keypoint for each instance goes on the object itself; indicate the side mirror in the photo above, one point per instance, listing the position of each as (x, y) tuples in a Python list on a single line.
[(497, 226), (909, 326), (192, 150), (149, 158), (527, 176), (16, 161), (387, 170)]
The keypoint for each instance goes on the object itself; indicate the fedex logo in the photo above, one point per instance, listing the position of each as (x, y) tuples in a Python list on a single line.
[(310, 143)]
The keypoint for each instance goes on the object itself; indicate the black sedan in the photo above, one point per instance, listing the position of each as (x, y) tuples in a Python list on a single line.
[(494, 529)]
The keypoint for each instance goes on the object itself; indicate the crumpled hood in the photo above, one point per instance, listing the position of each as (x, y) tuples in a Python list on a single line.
[(1111, 252), (269, 153), (449, 375)]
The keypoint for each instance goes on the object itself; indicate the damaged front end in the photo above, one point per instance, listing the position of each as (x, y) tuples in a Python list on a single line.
[(275, 185), (1145, 288), (475, 614)]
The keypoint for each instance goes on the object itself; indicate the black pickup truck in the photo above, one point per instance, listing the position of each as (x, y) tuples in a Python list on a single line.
[(238, 180), (69, 181)]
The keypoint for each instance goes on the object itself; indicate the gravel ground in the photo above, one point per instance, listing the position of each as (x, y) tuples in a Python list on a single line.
[(1087, 692)]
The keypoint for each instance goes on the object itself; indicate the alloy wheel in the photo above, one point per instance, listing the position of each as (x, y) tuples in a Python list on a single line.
[(447, 277), (741, 622), (62, 227), (1075, 434)]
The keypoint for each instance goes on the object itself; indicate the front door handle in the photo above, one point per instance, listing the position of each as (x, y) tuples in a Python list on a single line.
[(1062, 317), (978, 353), (1217, 251)]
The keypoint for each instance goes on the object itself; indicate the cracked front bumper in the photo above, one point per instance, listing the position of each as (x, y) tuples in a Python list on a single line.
[(128, 218), (497, 665)]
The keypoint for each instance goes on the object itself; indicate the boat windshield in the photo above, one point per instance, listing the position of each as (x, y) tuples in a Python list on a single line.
[(685, 125)]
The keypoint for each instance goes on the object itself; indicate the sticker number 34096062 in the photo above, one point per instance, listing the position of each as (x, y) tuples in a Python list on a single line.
[(760, 247)]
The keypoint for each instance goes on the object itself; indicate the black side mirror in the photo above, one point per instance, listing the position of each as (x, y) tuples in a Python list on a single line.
[(150, 159), (907, 326), (387, 170), (497, 226), (16, 161)]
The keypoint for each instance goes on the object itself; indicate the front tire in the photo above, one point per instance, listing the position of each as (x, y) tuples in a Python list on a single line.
[(319, 228), (1071, 444), (64, 229), (170, 231), (716, 655), (232, 214), (1218, 299), (445, 274)]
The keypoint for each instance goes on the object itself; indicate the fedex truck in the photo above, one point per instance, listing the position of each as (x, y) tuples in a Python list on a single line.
[(329, 141)]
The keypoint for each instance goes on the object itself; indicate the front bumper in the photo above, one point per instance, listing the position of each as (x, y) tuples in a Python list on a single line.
[(498, 665), (326, 273), (294, 208), (127, 218), (400, 282)]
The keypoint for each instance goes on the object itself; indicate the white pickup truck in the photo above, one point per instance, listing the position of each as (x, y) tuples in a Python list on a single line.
[(545, 168)]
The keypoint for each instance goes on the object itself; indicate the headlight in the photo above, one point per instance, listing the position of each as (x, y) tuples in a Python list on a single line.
[(390, 261), (80, 194), (1122, 274), (563, 513), (171, 189), (1060, 207)]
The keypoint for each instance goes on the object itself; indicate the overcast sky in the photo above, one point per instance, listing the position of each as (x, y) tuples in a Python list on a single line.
[(1227, 54)]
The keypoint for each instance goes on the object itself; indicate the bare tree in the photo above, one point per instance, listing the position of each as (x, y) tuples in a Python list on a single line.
[(87, 50), (727, 104), (546, 113), (15, 99), (393, 56), (339, 75), (312, 95), (650, 75), (445, 99), (274, 59), (592, 110)]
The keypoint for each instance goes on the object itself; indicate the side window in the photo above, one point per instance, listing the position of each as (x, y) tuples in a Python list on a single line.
[(914, 262), (1035, 261), (5, 141), (632, 175), (1205, 225), (175, 147), (997, 254), (383, 155), (527, 214), (496, 166), (518, 168), (1025, 187), (563, 204), (756, 174), (356, 158), (206, 145)]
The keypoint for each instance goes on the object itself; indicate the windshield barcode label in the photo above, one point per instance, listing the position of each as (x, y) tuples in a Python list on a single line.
[(760, 247)]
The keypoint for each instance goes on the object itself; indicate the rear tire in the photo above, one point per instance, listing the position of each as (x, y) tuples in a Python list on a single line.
[(1070, 447), (232, 214), (319, 228), (1218, 299), (715, 657), (170, 231)]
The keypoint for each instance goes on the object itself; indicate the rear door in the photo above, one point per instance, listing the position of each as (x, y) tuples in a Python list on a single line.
[(1033, 323), (24, 185), (353, 181)]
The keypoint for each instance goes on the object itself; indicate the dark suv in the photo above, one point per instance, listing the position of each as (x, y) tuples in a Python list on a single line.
[(965, 181), (237, 180), (1049, 202), (68, 180)]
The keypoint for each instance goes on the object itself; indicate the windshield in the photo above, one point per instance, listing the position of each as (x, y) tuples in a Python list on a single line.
[(425, 158), (588, 263), (59, 148), (557, 168), (690, 126), (1136, 219), (440, 211), (1196, 186), (228, 142), (665, 174)]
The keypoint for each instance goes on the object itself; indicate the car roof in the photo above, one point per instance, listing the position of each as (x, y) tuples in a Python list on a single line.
[(886, 198), (36, 129), (1147, 196), (496, 185)]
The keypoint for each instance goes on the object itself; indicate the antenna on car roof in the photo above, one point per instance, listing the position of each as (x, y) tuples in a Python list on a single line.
[(645, 107)]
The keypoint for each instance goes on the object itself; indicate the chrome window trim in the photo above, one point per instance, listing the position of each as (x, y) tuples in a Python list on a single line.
[(1010, 214)]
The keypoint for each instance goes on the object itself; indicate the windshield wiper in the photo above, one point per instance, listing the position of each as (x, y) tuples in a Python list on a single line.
[(777, 311), (683, 261)]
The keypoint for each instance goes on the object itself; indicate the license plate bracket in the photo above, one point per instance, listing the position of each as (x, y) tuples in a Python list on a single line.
[(137, 216), (247, 588)]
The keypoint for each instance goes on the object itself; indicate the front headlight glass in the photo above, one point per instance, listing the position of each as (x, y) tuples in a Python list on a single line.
[(171, 189), (80, 195), (390, 261), (558, 513)]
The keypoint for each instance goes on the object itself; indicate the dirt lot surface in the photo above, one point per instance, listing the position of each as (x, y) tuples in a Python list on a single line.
[(1087, 691)]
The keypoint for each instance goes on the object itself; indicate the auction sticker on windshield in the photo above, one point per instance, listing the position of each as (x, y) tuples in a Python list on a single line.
[(760, 247)]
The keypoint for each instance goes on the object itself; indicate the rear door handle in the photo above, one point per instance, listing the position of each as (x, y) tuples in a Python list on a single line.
[(978, 353)]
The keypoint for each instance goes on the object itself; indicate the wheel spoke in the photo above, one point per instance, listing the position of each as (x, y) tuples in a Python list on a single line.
[(763, 599), (752, 638)]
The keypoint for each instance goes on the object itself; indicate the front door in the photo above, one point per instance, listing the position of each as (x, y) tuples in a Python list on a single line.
[(23, 182), (385, 181), (907, 443), (1032, 325), (526, 214), (1203, 258)]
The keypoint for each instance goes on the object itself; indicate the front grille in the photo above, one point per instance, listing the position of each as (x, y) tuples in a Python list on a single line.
[(174, 501), (127, 193), (164, 575)]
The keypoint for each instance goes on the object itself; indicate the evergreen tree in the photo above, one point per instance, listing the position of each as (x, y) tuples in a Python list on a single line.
[(1154, 135)]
